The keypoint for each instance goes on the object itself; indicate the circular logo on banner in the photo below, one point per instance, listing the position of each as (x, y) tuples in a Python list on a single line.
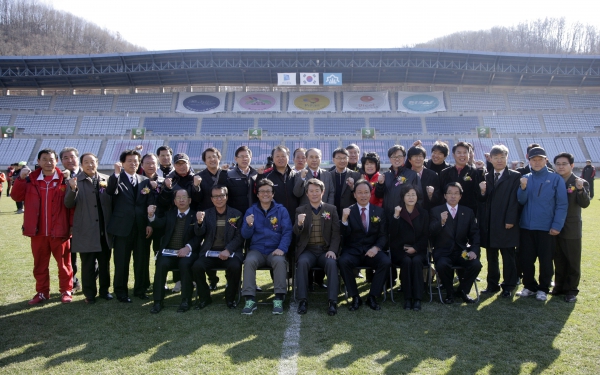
[(312, 102), (201, 103), (421, 102), (257, 102), (365, 102)]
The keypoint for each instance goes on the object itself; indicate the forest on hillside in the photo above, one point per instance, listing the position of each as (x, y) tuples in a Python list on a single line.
[(29, 27)]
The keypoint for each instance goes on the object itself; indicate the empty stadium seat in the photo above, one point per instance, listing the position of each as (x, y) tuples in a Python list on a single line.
[(284, 126), (226, 126), (451, 125), (14, 150), (529, 124), (337, 126), (471, 101), (114, 147), (194, 149), (593, 146), (46, 124), (520, 102), (84, 103), (584, 101), (108, 125), (144, 103), (571, 123), (260, 151), (555, 146), (171, 125), (25, 102), (396, 125)]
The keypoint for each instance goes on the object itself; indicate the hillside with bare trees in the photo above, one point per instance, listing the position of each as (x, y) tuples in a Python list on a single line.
[(28, 27)]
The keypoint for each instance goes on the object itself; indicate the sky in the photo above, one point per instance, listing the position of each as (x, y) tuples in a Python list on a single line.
[(307, 24)]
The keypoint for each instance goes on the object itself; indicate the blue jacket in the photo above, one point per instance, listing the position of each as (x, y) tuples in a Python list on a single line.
[(266, 236), (544, 200)]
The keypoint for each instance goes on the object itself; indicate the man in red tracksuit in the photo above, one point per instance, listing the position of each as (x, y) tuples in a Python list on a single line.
[(46, 221)]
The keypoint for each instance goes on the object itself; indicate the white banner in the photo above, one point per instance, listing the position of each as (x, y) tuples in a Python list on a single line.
[(201, 103), (257, 102), (311, 101), (309, 79), (286, 79), (421, 102), (366, 101)]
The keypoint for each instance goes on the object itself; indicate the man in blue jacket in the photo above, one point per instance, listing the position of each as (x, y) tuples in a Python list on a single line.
[(544, 198), (269, 227)]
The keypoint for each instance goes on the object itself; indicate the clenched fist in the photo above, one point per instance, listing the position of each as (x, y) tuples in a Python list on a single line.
[(303, 173), (118, 167), (200, 216), (482, 187), (479, 164), (345, 214), (579, 184), (151, 210), (168, 183), (444, 217), (397, 211), (73, 184), (301, 218), (430, 190), (197, 180), (381, 179), (250, 219), (24, 173), (350, 182), (153, 185), (523, 183)]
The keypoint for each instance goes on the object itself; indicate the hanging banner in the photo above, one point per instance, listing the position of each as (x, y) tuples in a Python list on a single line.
[(201, 103), (421, 102), (332, 79), (363, 101), (311, 102), (286, 79), (309, 79), (257, 102)]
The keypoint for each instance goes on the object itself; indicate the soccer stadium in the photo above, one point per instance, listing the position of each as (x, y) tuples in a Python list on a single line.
[(194, 99)]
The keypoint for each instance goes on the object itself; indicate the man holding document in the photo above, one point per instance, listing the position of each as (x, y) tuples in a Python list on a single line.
[(180, 249)]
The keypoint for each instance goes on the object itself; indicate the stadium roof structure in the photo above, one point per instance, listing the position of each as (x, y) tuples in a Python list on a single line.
[(220, 67)]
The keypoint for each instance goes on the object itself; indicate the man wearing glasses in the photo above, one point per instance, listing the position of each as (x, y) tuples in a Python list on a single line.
[(344, 179), (389, 184), (314, 170)]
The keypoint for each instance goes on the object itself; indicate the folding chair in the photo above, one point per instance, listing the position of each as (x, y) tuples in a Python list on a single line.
[(439, 285), (313, 269), (268, 268), (426, 284)]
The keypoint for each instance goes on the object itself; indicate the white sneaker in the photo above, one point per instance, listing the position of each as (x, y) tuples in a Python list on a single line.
[(526, 293), (541, 296), (177, 287)]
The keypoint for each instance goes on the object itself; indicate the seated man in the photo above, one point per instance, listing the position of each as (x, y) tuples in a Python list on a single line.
[(178, 223), (219, 227), (318, 231), (455, 239), (269, 226), (365, 238)]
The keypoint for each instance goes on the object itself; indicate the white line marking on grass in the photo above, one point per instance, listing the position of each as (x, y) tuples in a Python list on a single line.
[(288, 363)]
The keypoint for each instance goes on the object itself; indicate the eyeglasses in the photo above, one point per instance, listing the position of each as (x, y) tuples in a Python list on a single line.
[(265, 192), (222, 196), (397, 157)]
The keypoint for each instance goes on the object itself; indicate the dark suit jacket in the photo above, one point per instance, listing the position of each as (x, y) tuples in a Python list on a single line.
[(390, 189), (456, 235), (430, 178), (205, 191), (167, 223), (577, 200), (208, 229), (469, 178), (330, 228), (128, 209), (327, 180), (414, 233), (501, 208), (346, 197), (356, 241)]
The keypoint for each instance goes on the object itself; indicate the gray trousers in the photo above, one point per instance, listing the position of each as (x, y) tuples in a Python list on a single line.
[(254, 260)]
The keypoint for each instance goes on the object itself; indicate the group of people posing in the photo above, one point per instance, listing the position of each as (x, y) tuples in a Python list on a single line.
[(304, 222)]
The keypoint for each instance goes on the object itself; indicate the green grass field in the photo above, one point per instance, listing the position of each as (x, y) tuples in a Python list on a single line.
[(496, 336)]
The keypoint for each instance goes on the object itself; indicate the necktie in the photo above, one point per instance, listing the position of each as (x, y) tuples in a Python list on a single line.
[(453, 211), (181, 215), (315, 175), (363, 217), (496, 175), (132, 181)]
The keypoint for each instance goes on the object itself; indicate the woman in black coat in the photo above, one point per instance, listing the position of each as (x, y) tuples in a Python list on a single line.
[(408, 244)]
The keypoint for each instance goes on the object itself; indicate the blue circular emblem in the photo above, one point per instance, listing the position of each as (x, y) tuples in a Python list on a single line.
[(421, 103), (201, 103)]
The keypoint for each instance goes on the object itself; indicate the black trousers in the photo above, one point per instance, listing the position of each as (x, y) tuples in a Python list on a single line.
[(141, 266), (308, 260), (591, 182), (537, 244), (411, 275), (471, 269), (124, 247), (205, 265), (89, 271), (166, 263), (74, 266), (380, 263), (509, 268), (567, 265)]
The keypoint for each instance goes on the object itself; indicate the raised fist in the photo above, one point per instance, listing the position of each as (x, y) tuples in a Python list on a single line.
[(168, 183), (250, 219), (350, 182), (482, 186), (153, 184), (301, 218), (417, 143), (430, 190), (523, 183), (197, 180), (200, 216), (25, 171), (444, 217), (381, 179), (397, 211), (345, 214), (73, 184), (151, 210), (579, 184), (479, 164), (303, 173), (139, 147), (118, 167)]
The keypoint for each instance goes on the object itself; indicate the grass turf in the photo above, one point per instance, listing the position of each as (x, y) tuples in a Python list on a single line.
[(496, 336)]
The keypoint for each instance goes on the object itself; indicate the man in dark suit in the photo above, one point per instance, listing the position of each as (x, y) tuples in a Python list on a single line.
[(222, 247), (429, 181), (179, 236), (318, 231), (567, 250), (212, 176), (131, 196), (313, 157), (365, 238), (499, 226), (455, 238), (343, 179), (466, 175)]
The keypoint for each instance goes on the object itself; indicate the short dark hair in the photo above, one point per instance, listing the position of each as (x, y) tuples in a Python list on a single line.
[(499, 150), (455, 184), (461, 144), (87, 154), (47, 151), (567, 155), (301, 149), (222, 188), (126, 153), (164, 148), (441, 147), (314, 181), (353, 146), (315, 150), (405, 188), (372, 157), (340, 150), (416, 150), (361, 182), (280, 148), (396, 148), (243, 148), (263, 182), (150, 154), (211, 149), (68, 149)]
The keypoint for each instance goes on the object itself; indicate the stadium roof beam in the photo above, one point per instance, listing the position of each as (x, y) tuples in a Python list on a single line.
[(157, 72), (586, 72), (127, 74), (68, 79), (27, 70)]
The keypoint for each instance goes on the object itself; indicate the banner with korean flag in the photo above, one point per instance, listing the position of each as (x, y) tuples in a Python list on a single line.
[(309, 79)]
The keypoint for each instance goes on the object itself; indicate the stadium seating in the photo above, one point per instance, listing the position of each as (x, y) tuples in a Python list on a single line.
[(484, 145), (14, 150), (108, 125), (114, 147), (396, 125), (226, 126), (4, 120), (144, 103), (555, 146), (84, 103), (326, 148), (171, 125), (284, 126), (520, 102), (54, 125), (470, 101), (25, 102), (82, 145), (584, 101), (593, 146), (452, 125), (528, 124), (338, 126), (194, 149), (260, 151), (571, 123)]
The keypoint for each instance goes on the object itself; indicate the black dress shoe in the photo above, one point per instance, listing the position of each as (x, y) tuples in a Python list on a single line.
[(90, 301), (302, 307), (212, 284), (570, 298), (449, 300), (142, 296), (372, 303), (124, 299), (417, 305), (490, 291), (106, 296), (202, 304), (156, 307), (332, 310), (184, 306), (355, 304), (466, 298), (407, 304), (231, 304), (506, 294)]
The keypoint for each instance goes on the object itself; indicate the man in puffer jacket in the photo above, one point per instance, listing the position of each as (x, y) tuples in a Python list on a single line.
[(544, 197)]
